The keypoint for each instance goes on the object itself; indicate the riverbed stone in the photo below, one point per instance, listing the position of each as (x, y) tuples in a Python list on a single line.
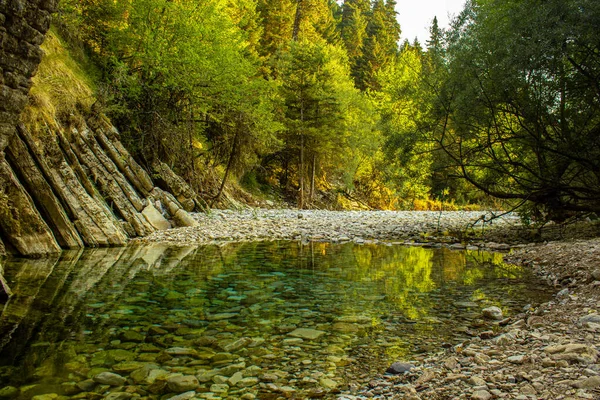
[(235, 378), (236, 345), (47, 396), (127, 367), (184, 396), (249, 381), (219, 388), (183, 383), (328, 383), (131, 336), (109, 378), (594, 318), (307, 333), (207, 376), (221, 316), (481, 395), (118, 396), (588, 383)]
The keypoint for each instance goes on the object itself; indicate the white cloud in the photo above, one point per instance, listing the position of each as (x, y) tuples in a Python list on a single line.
[(415, 17)]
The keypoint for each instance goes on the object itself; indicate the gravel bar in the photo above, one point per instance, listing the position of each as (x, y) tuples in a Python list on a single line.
[(332, 226)]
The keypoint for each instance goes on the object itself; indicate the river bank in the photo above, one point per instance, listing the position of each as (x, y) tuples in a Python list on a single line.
[(549, 351)]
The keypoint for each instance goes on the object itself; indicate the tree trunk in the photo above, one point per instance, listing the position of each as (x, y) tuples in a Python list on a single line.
[(229, 165), (297, 21), (301, 201), (312, 178)]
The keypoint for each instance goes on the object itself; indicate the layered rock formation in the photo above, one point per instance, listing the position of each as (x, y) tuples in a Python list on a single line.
[(70, 183)]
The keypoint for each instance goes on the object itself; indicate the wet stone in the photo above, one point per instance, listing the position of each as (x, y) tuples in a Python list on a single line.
[(87, 385), (219, 388), (127, 367), (131, 336), (109, 378), (221, 316), (181, 351), (48, 396), (235, 378), (184, 396), (207, 376), (306, 333), (247, 382), (180, 384), (118, 396)]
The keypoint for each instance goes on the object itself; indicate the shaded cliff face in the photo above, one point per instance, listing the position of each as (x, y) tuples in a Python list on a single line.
[(68, 182)]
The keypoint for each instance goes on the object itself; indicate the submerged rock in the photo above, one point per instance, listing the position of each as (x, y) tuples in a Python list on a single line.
[(180, 384), (306, 333), (109, 378), (494, 313)]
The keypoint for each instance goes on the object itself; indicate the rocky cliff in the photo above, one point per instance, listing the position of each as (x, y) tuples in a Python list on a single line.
[(66, 181)]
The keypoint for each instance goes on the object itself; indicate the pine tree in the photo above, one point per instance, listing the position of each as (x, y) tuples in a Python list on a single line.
[(355, 17), (278, 21), (434, 43), (381, 44)]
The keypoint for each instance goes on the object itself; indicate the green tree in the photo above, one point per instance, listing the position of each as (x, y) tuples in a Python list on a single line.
[(278, 22), (520, 110), (177, 70), (381, 43), (409, 154), (355, 15), (316, 88)]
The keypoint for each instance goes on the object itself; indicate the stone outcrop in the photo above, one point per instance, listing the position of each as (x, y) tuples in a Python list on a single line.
[(69, 184)]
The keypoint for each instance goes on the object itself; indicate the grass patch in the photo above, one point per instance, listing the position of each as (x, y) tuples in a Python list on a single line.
[(61, 88)]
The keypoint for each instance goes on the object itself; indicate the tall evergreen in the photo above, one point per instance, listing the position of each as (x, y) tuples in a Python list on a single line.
[(355, 18), (278, 21), (381, 45), (318, 22), (434, 43)]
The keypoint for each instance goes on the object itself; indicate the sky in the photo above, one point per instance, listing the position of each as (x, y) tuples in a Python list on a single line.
[(415, 16)]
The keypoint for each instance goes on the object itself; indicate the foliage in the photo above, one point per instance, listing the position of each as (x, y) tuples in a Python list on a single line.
[(183, 73), (519, 113), (315, 100)]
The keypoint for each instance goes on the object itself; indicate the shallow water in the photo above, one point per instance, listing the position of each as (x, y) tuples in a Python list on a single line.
[(268, 318)]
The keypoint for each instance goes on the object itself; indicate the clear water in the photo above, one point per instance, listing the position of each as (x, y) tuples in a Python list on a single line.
[(215, 311)]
